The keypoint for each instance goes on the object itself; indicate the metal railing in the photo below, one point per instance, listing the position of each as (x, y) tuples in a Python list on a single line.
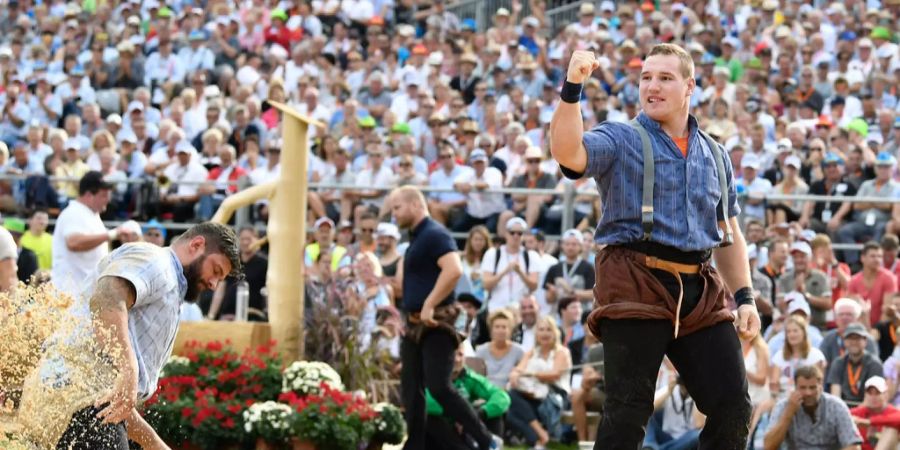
[(483, 11)]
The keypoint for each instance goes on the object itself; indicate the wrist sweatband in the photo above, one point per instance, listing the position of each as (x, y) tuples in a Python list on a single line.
[(571, 92), (744, 296)]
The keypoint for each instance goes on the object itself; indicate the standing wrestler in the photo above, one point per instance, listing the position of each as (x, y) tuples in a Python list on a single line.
[(656, 292), (431, 269)]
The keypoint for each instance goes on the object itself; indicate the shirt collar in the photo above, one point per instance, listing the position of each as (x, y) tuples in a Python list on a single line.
[(418, 229), (651, 124), (179, 270)]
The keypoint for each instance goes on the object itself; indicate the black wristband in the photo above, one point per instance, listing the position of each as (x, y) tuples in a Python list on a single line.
[(744, 296), (570, 92)]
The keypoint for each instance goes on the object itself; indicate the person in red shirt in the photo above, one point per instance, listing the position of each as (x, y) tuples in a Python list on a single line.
[(877, 420), (278, 33), (823, 259), (874, 284)]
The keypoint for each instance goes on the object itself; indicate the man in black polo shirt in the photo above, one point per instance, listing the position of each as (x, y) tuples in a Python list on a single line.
[(827, 217), (431, 269)]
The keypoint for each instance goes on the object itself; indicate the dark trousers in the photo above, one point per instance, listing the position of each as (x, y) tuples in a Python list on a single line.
[(87, 432), (709, 361), (429, 364), (443, 435), (522, 410)]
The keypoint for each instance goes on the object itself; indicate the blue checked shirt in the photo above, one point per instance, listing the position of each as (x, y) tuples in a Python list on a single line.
[(685, 195)]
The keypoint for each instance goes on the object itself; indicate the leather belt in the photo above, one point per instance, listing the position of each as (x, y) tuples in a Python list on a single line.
[(676, 269)]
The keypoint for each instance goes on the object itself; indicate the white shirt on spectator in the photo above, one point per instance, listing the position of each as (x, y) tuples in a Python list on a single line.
[(482, 204), (758, 187), (187, 178), (53, 103), (163, 69), (71, 268), (264, 174), (195, 60), (358, 10), (370, 178), (509, 289), (83, 91)]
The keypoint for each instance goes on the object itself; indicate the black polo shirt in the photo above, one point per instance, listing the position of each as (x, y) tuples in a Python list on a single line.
[(428, 242)]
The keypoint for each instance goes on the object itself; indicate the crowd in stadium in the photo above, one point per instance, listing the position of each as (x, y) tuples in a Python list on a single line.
[(169, 104)]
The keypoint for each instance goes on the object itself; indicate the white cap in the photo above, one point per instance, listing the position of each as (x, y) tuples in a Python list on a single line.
[(801, 247), (132, 227), (114, 118), (127, 136), (785, 144), (8, 248), (796, 302), (575, 234), (435, 59), (750, 160), (792, 160), (387, 229), (516, 221), (865, 42), (73, 144), (877, 383), (135, 106), (607, 5), (323, 221)]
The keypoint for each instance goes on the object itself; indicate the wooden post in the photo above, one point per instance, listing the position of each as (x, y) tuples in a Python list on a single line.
[(286, 232)]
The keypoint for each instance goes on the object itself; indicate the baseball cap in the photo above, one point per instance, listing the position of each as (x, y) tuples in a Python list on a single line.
[(345, 224), (132, 227), (792, 160), (796, 303), (801, 247), (14, 225), (73, 144), (516, 221), (478, 155), (573, 233), (857, 329), (877, 383), (135, 106), (323, 221), (154, 224), (750, 161), (785, 144), (885, 159), (832, 158), (387, 229)]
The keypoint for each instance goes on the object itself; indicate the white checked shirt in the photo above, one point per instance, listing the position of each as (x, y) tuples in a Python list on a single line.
[(160, 286)]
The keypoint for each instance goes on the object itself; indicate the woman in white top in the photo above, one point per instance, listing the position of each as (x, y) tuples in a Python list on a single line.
[(797, 352), (756, 360), (545, 366)]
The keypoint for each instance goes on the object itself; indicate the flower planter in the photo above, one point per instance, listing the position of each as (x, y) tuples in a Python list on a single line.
[(262, 445), (300, 444)]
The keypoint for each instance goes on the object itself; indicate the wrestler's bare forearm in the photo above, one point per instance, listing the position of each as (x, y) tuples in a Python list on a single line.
[(732, 261), (142, 433), (566, 133), (109, 304)]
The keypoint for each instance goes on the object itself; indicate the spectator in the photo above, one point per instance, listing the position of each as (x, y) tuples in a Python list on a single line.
[(847, 372), (828, 217), (185, 176), (80, 240), (255, 267), (155, 233), (324, 243), (792, 184), (874, 284), (838, 273), (532, 207), (376, 175), (223, 181), (523, 333), (501, 355), (446, 206), (507, 270), (871, 218), (890, 244), (482, 208), (825, 422), (876, 419), (779, 250), (886, 330), (797, 352), (675, 423), (756, 362), (570, 326), (796, 306), (476, 328), (810, 283), (540, 377), (27, 261), (846, 312), (489, 401), (38, 240), (591, 392), (755, 186), (477, 244)]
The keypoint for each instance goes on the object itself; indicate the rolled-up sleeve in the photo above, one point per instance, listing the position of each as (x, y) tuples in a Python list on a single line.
[(733, 208), (600, 144)]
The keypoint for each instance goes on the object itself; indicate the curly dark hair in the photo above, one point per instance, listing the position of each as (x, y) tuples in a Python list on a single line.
[(219, 239)]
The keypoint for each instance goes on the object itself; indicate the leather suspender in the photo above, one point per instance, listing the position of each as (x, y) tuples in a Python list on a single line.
[(649, 181)]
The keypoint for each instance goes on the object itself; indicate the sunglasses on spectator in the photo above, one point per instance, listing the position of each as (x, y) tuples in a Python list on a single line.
[(515, 233), (533, 161), (366, 230), (446, 156)]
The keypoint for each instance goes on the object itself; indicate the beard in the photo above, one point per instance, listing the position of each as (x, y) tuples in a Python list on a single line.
[(192, 274)]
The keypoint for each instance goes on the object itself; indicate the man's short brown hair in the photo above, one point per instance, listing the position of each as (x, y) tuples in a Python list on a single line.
[(808, 373), (686, 62)]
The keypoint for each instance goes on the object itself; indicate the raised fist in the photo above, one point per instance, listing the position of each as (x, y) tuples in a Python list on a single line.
[(582, 64)]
